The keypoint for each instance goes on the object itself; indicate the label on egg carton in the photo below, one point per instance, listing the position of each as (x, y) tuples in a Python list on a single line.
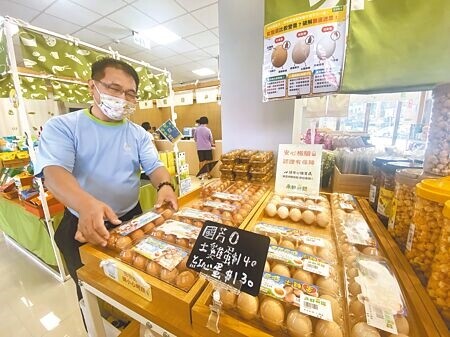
[(196, 214), (271, 230), (298, 259), (164, 254), (180, 229), (227, 196), (316, 307), (285, 288), (136, 223), (380, 318), (306, 196), (220, 205)]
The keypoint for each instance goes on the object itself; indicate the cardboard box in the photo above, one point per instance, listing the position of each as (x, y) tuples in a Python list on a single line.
[(355, 184)]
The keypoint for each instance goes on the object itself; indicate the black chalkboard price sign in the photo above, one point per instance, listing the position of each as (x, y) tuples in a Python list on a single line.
[(230, 255)]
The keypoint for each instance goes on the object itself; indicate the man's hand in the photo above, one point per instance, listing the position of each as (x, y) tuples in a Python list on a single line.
[(166, 195), (91, 222)]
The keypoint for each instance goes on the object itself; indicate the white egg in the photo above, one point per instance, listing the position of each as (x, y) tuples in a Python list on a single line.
[(271, 209), (322, 219), (300, 52), (283, 212), (308, 217), (295, 214), (362, 329)]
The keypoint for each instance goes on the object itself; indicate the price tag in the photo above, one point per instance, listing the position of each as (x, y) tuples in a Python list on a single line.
[(372, 193), (380, 318), (230, 255), (409, 241), (127, 278), (316, 307), (346, 206), (316, 267), (313, 241)]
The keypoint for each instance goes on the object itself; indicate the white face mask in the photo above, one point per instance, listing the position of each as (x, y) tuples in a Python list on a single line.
[(114, 108)]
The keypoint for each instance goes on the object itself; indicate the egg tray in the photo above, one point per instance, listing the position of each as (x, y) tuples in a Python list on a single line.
[(180, 277), (261, 216), (357, 321), (263, 315), (169, 232), (214, 186)]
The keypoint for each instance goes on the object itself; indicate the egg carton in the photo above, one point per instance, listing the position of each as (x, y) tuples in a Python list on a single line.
[(177, 232), (276, 309), (160, 259), (375, 301)]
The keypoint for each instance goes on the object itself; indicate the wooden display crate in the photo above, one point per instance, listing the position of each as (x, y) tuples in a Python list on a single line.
[(425, 317), (167, 299), (355, 184), (14, 163)]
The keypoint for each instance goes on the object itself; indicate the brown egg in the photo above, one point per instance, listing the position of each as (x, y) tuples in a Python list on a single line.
[(238, 218), (167, 214), (123, 242), (168, 275), (247, 306), (327, 329), (182, 265), (170, 238), (127, 256), (267, 267), (354, 288), (216, 211), (243, 212), (326, 254), (362, 329), (112, 240), (158, 234), (352, 273), (306, 249), (153, 268), (148, 227), (289, 298), (228, 299), (336, 308), (303, 276), (185, 280), (137, 235), (227, 215), (287, 244), (402, 325), (370, 251), (298, 324), (140, 262), (198, 224), (273, 241), (357, 311), (182, 242), (158, 221), (229, 223), (188, 221), (272, 313), (327, 286), (281, 269)]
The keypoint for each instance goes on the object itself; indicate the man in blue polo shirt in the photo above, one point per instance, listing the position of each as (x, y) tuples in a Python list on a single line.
[(92, 158)]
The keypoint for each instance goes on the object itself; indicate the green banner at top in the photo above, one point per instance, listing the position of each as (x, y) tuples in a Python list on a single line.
[(49, 54), (275, 9), (397, 45)]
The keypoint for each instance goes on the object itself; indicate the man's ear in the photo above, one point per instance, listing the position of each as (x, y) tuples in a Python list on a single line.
[(91, 86)]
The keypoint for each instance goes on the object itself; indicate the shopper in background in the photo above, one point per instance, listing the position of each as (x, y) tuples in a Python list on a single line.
[(90, 158), (146, 126), (204, 141)]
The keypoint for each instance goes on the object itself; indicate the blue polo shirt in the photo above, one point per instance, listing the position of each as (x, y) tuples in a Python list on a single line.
[(104, 157)]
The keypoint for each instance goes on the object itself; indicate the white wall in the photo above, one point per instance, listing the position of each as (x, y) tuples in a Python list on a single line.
[(247, 122)]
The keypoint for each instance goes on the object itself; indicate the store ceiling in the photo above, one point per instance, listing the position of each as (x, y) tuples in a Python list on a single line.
[(105, 22)]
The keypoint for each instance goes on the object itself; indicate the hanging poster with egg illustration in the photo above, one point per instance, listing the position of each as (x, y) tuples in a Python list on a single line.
[(304, 53)]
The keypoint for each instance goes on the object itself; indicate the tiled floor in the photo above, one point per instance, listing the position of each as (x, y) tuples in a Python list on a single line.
[(30, 297)]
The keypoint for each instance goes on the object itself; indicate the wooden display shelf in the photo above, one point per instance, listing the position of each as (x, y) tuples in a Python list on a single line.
[(425, 315), (172, 313), (132, 330), (173, 304)]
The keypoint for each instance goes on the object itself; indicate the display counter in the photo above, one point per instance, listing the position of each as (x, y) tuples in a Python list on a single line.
[(190, 148), (170, 319)]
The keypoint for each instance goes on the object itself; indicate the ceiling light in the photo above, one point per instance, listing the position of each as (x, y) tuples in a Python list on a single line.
[(160, 35), (203, 72), (27, 302)]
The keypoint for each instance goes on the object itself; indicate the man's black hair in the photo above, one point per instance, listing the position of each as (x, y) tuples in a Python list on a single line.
[(98, 69), (146, 126)]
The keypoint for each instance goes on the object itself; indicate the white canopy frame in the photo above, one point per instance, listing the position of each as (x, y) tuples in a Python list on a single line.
[(10, 24)]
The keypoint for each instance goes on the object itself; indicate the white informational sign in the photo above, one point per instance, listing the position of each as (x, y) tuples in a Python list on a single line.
[(298, 168), (304, 53), (163, 102), (146, 104), (206, 95), (184, 98)]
